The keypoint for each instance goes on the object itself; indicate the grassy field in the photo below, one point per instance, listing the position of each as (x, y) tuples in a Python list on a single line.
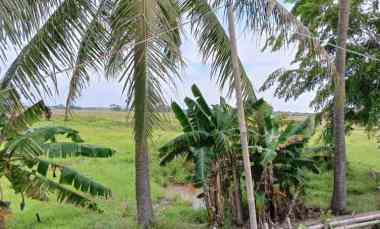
[(363, 155), (110, 129), (113, 129)]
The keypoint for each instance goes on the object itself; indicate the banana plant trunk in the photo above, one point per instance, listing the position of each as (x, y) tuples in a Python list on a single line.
[(242, 123), (143, 195), (236, 198), (339, 198)]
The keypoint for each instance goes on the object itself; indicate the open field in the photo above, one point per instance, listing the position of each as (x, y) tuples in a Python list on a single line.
[(113, 129)]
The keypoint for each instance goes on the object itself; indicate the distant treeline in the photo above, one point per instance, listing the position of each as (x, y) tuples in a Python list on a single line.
[(112, 107)]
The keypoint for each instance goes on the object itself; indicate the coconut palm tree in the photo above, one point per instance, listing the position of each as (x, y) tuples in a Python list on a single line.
[(138, 41), (339, 198)]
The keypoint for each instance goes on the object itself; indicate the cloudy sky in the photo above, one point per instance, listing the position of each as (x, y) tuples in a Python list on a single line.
[(258, 65)]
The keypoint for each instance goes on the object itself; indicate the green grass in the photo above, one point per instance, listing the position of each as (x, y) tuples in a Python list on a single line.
[(113, 129), (363, 156), (110, 129)]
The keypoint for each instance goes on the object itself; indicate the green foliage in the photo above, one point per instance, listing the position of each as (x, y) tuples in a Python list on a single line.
[(48, 134), (209, 133), (312, 74), (281, 147), (22, 147), (66, 149), (212, 132), (103, 127)]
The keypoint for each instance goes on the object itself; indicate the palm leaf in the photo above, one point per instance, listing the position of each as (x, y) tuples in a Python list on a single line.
[(147, 65), (19, 19), (10, 102), (214, 45), (93, 46), (51, 47)]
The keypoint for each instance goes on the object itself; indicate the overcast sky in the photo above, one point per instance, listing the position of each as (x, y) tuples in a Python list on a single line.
[(257, 64)]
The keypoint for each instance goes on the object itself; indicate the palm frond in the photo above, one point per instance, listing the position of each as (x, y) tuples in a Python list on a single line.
[(147, 65), (19, 19), (10, 102), (281, 28), (272, 19), (52, 47), (215, 46), (91, 51)]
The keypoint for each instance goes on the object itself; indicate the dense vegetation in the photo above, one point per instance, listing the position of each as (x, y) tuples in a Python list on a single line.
[(139, 43), (25, 154), (114, 130), (211, 141)]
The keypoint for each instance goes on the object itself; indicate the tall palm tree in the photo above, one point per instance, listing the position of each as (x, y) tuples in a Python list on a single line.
[(242, 122), (138, 41), (339, 198)]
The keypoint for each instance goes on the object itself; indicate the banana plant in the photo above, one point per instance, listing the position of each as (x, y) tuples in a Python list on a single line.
[(281, 147), (210, 140), (26, 152)]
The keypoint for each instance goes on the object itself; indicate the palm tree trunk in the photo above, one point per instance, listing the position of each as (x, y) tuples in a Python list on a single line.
[(143, 196), (339, 198), (243, 127), (67, 110)]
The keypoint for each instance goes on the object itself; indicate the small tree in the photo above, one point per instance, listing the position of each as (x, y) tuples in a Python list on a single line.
[(115, 107), (24, 149), (210, 140)]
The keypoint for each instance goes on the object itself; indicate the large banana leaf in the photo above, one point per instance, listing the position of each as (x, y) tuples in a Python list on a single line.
[(19, 122), (45, 134), (71, 177), (202, 158), (181, 117), (198, 117), (36, 187), (182, 145), (67, 149)]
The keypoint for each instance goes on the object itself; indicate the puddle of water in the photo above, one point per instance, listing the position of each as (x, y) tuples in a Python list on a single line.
[(187, 193)]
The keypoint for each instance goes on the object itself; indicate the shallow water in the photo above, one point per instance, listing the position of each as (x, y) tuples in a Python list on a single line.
[(187, 193)]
